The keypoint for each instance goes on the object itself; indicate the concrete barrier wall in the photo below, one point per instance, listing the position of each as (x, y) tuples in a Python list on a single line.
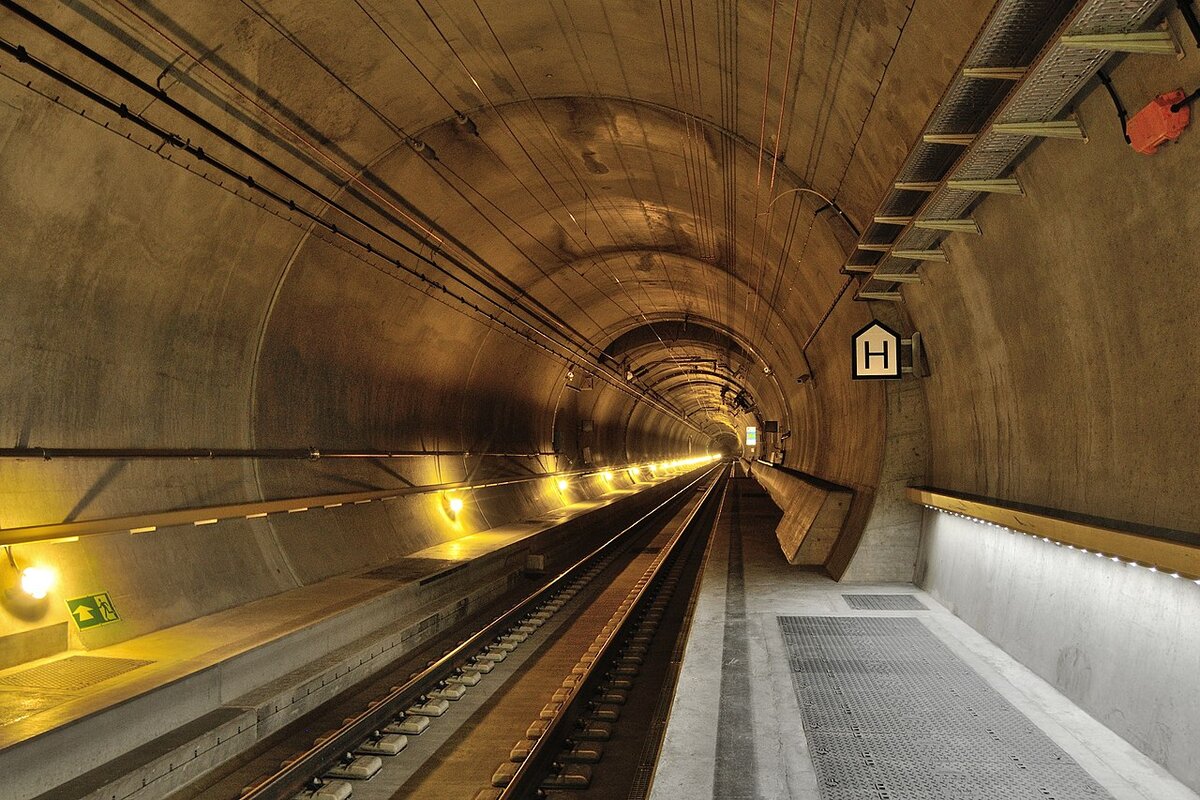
[(1120, 641), (814, 512)]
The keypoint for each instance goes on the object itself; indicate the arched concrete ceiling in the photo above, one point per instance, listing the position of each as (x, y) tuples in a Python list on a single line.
[(276, 223)]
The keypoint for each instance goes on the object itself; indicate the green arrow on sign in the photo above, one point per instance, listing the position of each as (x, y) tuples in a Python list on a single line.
[(92, 610)]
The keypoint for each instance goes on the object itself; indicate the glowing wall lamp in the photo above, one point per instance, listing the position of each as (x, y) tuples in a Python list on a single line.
[(452, 506), (607, 475), (37, 582), (562, 484), (31, 583)]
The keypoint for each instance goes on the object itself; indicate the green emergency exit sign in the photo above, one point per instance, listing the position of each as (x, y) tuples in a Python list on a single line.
[(92, 610)]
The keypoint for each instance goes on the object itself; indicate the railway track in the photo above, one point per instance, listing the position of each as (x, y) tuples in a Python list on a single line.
[(558, 692)]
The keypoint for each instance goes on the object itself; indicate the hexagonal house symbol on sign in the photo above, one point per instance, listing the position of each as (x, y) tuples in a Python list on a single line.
[(876, 353)]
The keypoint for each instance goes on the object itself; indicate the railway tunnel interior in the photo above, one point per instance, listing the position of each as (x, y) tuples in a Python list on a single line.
[(293, 291)]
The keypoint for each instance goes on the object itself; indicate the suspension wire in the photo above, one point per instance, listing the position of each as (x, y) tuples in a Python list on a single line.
[(672, 58), (785, 251), (586, 345), (313, 227), (350, 175), (618, 152), (685, 82), (554, 142), (314, 218), (692, 194), (370, 13), (581, 342), (777, 156), (259, 158), (697, 131), (432, 164), (762, 143), (837, 298), (727, 25), (533, 162)]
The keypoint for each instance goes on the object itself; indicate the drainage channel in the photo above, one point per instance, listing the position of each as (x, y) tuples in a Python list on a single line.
[(563, 750), (379, 752)]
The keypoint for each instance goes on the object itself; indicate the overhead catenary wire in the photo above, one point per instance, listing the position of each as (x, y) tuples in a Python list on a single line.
[(521, 145), (573, 174), (776, 156), (436, 165), (581, 342), (254, 185)]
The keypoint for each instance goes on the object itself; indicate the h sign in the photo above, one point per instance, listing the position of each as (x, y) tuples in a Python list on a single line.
[(876, 353)]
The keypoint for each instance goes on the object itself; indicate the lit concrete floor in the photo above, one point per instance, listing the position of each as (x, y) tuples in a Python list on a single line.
[(771, 759)]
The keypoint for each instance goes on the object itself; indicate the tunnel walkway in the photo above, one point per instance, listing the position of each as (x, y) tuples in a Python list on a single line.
[(865, 691), (169, 705)]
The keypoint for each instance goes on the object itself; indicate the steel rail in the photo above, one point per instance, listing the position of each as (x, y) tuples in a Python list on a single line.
[(148, 522), (297, 773), (527, 779)]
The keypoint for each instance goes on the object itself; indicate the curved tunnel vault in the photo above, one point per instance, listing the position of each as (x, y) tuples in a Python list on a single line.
[(343, 260), (502, 243)]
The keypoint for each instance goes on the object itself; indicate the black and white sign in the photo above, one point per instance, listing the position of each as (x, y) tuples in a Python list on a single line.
[(876, 353)]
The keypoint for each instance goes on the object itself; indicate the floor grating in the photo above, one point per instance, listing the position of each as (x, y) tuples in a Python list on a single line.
[(890, 713), (884, 602), (71, 673)]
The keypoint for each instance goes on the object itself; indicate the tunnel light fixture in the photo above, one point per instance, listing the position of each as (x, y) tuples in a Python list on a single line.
[(607, 475), (571, 372), (37, 582), (456, 505), (562, 484), (31, 583)]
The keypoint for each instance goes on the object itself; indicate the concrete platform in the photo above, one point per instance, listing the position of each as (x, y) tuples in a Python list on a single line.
[(751, 743), (140, 718)]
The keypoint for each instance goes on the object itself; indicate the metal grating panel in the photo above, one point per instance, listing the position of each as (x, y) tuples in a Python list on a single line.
[(1060, 75), (890, 713), (72, 673), (884, 602), (1015, 31)]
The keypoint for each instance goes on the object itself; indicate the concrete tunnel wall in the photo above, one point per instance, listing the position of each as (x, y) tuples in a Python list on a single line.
[(157, 309), (145, 306), (1062, 378), (220, 325)]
